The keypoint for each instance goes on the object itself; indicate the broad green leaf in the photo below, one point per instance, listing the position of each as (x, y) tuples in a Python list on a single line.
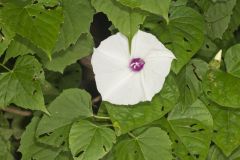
[(70, 105), (127, 118), (216, 154), (125, 19), (157, 7), (71, 77), (222, 88), (17, 125), (5, 149), (183, 34), (60, 60), (178, 3), (57, 138), (31, 149), (5, 130), (3, 124), (218, 16), (89, 141), (6, 36), (204, 4), (19, 47), (109, 156), (189, 81), (35, 22), (49, 3), (226, 128), (193, 126), (235, 155), (64, 156), (208, 50), (5, 135), (152, 144), (229, 36), (78, 15), (179, 150), (22, 85), (49, 92), (232, 60), (235, 21)]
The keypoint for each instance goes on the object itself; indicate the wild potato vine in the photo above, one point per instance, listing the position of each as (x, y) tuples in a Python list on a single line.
[(195, 116)]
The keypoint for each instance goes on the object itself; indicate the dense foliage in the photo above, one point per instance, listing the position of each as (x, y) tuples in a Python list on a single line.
[(50, 107)]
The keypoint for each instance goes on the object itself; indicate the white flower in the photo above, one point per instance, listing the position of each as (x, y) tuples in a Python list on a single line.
[(126, 78)]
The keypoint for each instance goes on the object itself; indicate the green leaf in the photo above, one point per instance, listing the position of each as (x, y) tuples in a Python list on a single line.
[(178, 3), (22, 85), (183, 35), (49, 92), (189, 81), (64, 156), (222, 88), (233, 25), (31, 149), (71, 77), (109, 156), (5, 148), (218, 16), (78, 16), (4, 124), (235, 155), (193, 126), (70, 105), (127, 20), (204, 4), (208, 50), (19, 47), (34, 22), (235, 22), (5, 135), (178, 148), (152, 144), (226, 128), (60, 60), (89, 141), (6, 36), (232, 60), (159, 8), (17, 124), (215, 154), (57, 138), (127, 118)]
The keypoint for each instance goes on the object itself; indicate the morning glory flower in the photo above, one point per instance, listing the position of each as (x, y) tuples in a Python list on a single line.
[(127, 76)]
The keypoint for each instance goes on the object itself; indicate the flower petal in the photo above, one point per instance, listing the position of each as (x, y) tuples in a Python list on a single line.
[(115, 46), (128, 91), (154, 74), (143, 43), (108, 70)]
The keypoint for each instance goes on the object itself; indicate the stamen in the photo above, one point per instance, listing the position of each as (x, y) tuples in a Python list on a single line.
[(136, 64)]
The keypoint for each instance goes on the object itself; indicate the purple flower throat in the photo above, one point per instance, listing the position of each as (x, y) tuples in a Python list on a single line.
[(136, 64)]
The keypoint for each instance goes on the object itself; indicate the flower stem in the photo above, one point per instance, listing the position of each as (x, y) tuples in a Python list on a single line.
[(6, 68), (100, 117), (107, 125), (15, 110), (132, 135)]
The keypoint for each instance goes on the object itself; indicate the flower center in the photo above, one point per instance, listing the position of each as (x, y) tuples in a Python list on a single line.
[(136, 64)]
